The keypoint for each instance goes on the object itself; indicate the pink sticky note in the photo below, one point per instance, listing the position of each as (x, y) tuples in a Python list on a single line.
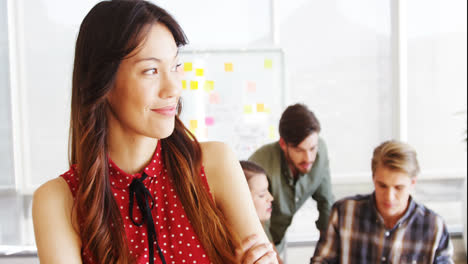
[(214, 98), (251, 87), (209, 121)]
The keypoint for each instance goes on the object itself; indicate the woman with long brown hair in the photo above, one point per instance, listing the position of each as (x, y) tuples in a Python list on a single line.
[(140, 188)]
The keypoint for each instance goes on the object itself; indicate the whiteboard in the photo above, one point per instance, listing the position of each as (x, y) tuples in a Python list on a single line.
[(233, 96)]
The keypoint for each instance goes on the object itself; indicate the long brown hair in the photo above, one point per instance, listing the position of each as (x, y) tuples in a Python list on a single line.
[(108, 34)]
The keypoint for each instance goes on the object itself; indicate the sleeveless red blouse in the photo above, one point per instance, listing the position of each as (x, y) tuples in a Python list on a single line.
[(175, 235)]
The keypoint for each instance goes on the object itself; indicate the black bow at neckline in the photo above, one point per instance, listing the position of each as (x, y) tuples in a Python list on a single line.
[(143, 196)]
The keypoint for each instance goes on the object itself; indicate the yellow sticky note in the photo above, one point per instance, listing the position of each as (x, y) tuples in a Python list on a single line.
[(268, 64), (184, 84), (248, 109), (228, 67), (267, 110), (194, 85), (199, 72), (271, 132), (188, 66), (209, 86), (260, 108), (193, 124)]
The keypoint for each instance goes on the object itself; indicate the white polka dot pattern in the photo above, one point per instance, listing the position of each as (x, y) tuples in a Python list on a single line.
[(176, 236)]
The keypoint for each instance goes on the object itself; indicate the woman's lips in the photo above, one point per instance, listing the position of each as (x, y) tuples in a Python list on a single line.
[(166, 111)]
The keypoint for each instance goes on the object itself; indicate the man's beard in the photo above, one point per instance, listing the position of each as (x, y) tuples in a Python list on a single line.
[(294, 169)]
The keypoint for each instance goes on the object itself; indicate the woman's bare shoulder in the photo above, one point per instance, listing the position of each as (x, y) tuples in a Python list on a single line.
[(53, 192), (214, 146), (218, 158), (218, 161), (214, 150), (57, 239)]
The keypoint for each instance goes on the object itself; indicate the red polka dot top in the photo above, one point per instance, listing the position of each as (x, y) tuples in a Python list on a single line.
[(175, 240)]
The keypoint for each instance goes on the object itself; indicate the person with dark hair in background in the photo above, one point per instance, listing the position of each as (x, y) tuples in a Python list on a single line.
[(140, 188), (387, 226), (297, 168), (258, 185)]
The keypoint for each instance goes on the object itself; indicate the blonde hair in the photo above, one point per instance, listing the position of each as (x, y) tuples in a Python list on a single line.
[(396, 155)]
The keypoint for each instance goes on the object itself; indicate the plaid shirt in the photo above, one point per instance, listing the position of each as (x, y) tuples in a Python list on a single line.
[(356, 234)]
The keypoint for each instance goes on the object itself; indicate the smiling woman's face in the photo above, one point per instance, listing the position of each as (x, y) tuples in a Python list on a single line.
[(147, 88)]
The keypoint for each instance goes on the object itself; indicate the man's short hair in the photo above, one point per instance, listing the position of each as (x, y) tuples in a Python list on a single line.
[(396, 155), (297, 122), (251, 168)]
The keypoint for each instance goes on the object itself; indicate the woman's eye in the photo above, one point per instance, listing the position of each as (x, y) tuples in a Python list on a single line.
[(177, 67), (151, 71)]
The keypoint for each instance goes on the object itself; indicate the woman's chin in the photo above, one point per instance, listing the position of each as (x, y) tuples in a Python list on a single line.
[(265, 218), (162, 132)]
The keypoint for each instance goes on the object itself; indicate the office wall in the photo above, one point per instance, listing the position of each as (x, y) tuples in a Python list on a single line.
[(437, 82), (338, 55)]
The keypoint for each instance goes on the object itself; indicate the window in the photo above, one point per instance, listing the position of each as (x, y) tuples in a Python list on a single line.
[(437, 85), (6, 140)]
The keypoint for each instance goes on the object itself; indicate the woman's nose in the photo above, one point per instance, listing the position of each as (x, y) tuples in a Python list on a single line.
[(170, 85), (270, 197)]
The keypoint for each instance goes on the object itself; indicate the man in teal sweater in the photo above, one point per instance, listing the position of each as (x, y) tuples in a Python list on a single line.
[(297, 168)]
